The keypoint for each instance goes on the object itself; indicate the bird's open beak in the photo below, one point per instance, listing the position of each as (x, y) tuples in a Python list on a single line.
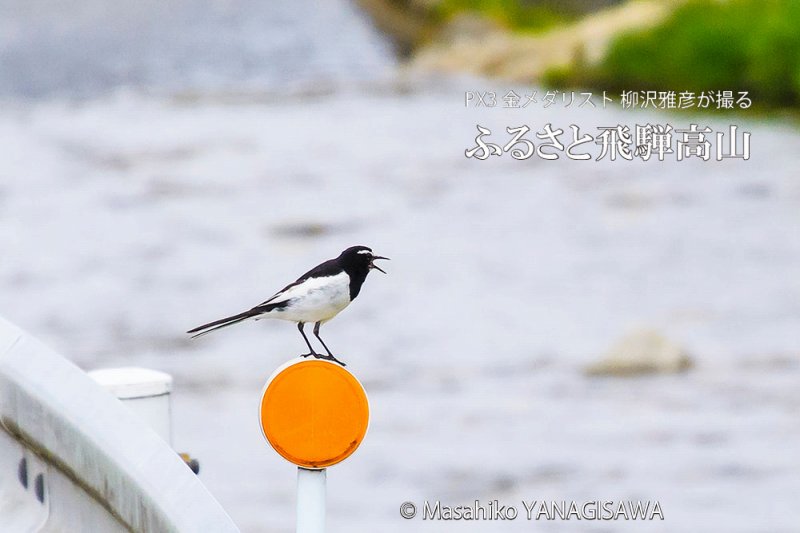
[(376, 267)]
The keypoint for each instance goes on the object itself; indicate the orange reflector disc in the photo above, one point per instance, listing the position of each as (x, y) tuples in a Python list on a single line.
[(314, 413)]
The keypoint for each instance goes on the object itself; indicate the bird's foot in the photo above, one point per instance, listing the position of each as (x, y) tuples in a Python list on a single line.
[(329, 357), (305, 355)]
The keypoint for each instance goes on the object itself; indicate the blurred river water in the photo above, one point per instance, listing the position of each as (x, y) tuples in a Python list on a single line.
[(168, 163)]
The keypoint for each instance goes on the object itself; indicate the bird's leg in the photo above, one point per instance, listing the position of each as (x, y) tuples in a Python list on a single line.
[(310, 348), (330, 355), (316, 334)]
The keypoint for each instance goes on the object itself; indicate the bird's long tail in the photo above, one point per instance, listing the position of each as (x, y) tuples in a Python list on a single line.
[(199, 331)]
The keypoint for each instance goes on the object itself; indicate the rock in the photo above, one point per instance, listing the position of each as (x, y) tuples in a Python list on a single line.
[(642, 352), (524, 58), (406, 23)]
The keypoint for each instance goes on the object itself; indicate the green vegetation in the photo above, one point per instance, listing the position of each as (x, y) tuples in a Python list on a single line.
[(739, 45), (519, 15)]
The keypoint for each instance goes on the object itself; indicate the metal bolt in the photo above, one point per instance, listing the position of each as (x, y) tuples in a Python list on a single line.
[(38, 486), (22, 472)]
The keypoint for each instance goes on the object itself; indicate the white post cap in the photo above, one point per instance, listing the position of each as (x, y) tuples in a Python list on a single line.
[(133, 382)]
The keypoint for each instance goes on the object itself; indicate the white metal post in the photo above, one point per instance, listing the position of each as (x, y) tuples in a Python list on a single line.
[(144, 391), (311, 500)]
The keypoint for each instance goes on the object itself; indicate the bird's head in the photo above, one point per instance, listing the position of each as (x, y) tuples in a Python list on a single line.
[(361, 257)]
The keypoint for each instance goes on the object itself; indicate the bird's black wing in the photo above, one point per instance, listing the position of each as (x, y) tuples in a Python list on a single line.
[(328, 268)]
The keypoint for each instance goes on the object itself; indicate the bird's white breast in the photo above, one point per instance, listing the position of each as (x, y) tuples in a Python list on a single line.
[(315, 300)]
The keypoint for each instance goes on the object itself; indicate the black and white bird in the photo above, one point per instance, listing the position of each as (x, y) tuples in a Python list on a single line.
[(317, 296)]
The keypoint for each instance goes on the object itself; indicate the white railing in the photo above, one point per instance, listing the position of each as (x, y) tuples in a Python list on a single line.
[(73, 458)]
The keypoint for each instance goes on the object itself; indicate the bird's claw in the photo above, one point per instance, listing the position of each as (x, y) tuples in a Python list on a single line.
[(329, 357), (321, 356)]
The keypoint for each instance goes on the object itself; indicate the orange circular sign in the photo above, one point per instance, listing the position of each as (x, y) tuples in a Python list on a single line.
[(314, 413)]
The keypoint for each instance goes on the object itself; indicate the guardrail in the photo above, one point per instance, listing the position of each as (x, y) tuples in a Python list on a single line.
[(73, 458)]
